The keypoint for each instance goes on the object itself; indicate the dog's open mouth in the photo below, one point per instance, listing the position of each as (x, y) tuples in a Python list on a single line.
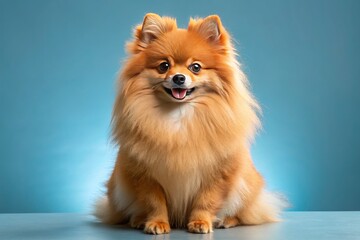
[(179, 93)]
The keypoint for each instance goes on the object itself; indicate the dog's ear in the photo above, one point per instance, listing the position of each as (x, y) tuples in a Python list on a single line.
[(152, 27), (210, 28)]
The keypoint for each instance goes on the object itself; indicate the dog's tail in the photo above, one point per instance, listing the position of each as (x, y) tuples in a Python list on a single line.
[(102, 210), (274, 203), (267, 207), (106, 213)]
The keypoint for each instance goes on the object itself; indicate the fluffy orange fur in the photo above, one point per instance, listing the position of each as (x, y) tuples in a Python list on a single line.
[(185, 163)]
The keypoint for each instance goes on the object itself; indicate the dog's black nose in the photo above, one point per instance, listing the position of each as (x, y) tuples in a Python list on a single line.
[(179, 79)]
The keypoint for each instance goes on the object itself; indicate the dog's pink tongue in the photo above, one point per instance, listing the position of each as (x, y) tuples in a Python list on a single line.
[(178, 93)]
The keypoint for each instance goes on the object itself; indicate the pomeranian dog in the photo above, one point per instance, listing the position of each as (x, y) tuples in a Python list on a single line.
[(184, 119)]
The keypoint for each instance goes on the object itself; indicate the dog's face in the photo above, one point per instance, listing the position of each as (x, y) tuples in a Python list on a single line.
[(184, 64), (180, 65)]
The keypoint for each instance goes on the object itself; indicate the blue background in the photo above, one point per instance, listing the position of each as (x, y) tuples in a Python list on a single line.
[(58, 65)]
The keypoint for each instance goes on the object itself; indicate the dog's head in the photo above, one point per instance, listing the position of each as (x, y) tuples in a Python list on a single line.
[(180, 65)]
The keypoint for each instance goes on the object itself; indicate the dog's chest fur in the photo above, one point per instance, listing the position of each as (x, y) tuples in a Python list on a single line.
[(180, 190)]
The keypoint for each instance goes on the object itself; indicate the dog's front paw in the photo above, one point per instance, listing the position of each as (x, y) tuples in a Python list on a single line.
[(199, 226), (156, 227)]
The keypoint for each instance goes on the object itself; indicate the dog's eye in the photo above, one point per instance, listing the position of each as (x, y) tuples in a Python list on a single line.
[(195, 67), (163, 67)]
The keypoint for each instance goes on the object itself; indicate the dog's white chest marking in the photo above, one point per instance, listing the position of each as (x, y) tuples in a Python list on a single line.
[(179, 115)]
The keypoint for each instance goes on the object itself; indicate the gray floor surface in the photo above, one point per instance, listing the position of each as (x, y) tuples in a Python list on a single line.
[(296, 225)]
